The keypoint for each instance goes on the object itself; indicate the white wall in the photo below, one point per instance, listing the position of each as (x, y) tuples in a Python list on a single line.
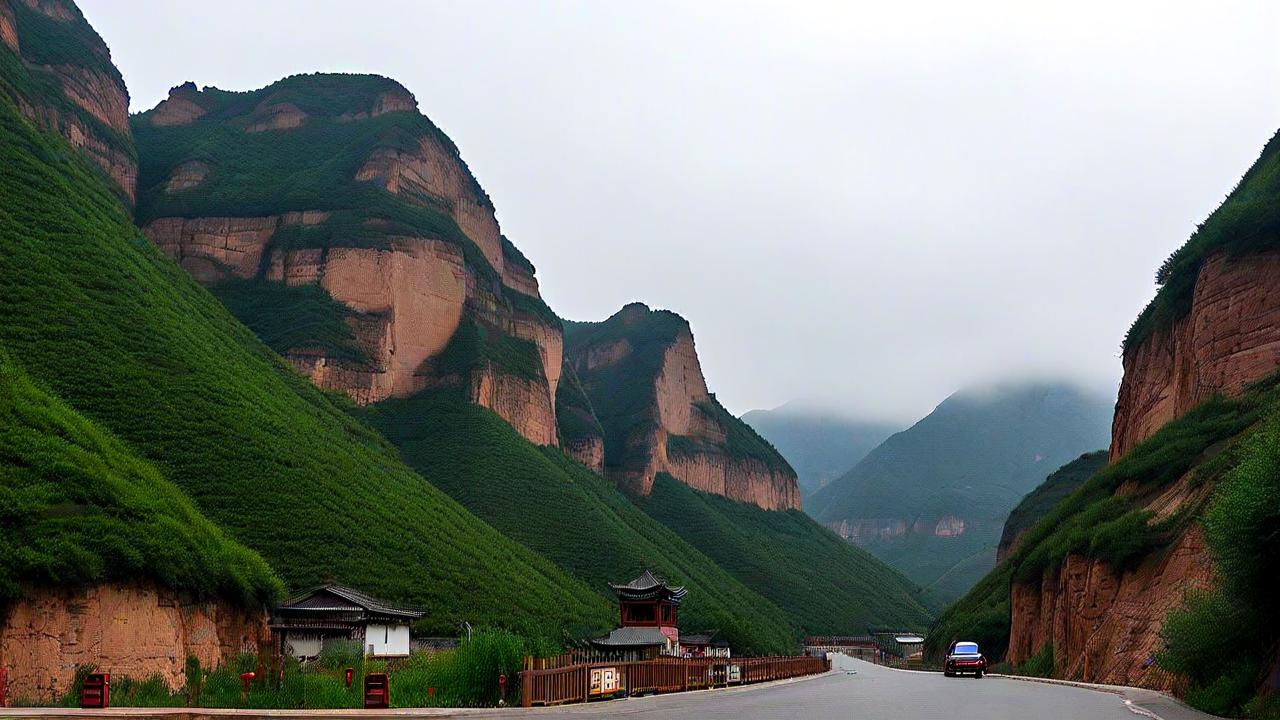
[(381, 640), (302, 646)]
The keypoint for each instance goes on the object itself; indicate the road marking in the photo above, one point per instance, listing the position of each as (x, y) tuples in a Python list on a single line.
[(1139, 710)]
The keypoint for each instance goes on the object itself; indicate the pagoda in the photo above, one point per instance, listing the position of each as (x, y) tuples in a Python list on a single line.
[(647, 608)]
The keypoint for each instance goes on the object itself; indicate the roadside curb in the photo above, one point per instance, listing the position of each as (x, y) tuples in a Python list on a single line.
[(1132, 697)]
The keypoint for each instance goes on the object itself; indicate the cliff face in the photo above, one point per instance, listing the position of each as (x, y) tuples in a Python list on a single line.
[(135, 630), (1230, 338), (640, 371), (1104, 627), (92, 109), (397, 231)]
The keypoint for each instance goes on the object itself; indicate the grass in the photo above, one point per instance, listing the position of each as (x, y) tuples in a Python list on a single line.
[(47, 40), (575, 417), (465, 677), (79, 507), (557, 507), (474, 344), (126, 338), (292, 317), (825, 584), (1057, 486), (1248, 221), (741, 441)]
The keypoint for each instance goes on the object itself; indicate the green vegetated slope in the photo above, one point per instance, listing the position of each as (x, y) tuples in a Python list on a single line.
[(128, 339), (1095, 522), (827, 585), (820, 445), (973, 458), (1040, 501), (1248, 221), (79, 507), (546, 501)]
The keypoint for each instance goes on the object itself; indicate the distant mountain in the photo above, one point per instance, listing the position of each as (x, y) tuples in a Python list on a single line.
[(820, 445), (932, 499)]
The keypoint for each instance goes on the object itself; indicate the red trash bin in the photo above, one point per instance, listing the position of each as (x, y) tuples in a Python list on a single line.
[(377, 691), (96, 691)]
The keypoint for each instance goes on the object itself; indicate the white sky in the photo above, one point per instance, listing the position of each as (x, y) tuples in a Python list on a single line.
[(870, 204)]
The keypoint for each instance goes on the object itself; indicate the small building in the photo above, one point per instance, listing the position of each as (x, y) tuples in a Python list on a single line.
[(336, 613), (647, 609), (704, 644)]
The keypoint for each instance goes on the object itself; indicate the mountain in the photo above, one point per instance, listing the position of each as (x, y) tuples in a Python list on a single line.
[(344, 267), (707, 476), (1040, 501), (1169, 553), (344, 228), (639, 370), (932, 499), (821, 446), (106, 323)]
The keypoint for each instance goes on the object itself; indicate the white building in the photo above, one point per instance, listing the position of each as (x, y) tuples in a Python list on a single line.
[(331, 612)]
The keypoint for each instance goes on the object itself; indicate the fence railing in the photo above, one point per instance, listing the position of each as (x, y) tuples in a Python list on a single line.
[(601, 680)]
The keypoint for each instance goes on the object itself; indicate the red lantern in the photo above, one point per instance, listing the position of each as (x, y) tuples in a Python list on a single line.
[(245, 679), (349, 674)]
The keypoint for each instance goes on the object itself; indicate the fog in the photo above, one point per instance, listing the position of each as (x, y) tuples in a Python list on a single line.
[(864, 204)]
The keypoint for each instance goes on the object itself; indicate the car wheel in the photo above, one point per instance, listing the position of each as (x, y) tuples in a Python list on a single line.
[(948, 673), (977, 675)]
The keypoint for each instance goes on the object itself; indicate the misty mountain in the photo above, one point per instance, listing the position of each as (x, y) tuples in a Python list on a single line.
[(819, 444), (932, 499)]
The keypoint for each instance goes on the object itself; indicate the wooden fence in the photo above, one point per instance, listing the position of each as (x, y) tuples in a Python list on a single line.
[(601, 680)]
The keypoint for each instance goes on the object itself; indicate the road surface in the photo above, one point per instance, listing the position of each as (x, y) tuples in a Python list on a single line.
[(872, 692), (856, 691)]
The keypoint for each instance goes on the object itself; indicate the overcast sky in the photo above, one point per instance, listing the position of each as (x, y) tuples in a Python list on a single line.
[(870, 204)]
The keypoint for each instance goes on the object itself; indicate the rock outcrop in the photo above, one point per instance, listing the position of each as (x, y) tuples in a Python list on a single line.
[(1104, 627), (1230, 338), (640, 370), (92, 112), (130, 630), (407, 242)]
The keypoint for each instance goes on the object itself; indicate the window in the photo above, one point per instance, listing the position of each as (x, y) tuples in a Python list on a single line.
[(666, 613)]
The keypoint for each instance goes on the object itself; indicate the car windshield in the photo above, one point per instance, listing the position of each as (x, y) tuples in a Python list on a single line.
[(966, 648)]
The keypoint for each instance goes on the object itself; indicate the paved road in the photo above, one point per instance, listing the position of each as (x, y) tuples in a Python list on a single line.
[(872, 693)]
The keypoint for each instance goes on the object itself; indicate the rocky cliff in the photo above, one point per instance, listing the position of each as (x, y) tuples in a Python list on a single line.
[(1229, 338), (132, 630), (68, 84), (640, 371), (1104, 626), (392, 225)]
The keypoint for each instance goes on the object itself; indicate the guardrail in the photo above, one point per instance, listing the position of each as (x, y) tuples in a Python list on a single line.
[(602, 680)]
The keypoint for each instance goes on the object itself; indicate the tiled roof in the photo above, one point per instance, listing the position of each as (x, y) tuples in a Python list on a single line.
[(710, 639), (332, 596), (648, 583), (632, 636)]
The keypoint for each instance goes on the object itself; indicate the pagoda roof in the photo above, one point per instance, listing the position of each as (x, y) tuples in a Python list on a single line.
[(632, 637), (711, 638), (649, 586)]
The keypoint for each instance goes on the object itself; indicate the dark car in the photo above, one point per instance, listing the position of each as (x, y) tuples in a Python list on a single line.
[(964, 658)]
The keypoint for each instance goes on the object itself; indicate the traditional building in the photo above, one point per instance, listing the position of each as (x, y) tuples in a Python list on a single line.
[(704, 644), (647, 608), (332, 612)]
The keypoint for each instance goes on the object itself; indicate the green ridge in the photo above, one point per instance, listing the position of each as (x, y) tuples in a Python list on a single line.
[(1057, 486), (825, 584), (78, 507), (1248, 221), (559, 508), (128, 339)]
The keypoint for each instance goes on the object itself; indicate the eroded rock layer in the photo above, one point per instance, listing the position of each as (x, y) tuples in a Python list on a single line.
[(1105, 628), (406, 241), (1230, 339), (131, 630), (641, 372), (92, 112)]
